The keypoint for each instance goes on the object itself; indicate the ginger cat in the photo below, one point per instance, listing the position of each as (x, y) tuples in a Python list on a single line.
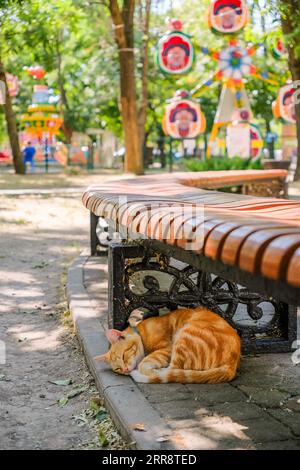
[(185, 346)]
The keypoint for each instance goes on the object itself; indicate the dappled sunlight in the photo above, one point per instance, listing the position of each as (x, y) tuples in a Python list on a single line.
[(35, 340), (7, 278), (217, 436), (210, 430), (223, 427)]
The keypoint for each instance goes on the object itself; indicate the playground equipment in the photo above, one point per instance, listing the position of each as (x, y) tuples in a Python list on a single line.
[(36, 71), (234, 64), (227, 16), (42, 120), (279, 50), (175, 52), (183, 118), (284, 106)]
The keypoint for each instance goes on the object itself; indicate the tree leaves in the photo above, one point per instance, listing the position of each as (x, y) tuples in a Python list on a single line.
[(62, 383), (72, 394)]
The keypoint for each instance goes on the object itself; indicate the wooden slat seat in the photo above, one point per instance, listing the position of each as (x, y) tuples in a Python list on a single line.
[(258, 235)]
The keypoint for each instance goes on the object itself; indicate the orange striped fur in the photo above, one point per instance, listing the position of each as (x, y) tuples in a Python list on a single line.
[(185, 346)]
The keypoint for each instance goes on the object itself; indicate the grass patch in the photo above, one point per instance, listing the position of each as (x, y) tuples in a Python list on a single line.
[(221, 164)]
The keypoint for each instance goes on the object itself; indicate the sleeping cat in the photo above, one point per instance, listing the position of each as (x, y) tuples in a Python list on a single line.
[(185, 346)]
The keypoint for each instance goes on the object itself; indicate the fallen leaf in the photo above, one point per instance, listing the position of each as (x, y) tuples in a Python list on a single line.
[(20, 340), (63, 382), (97, 401), (76, 391), (102, 438), (138, 427), (162, 439), (101, 415), (177, 439), (63, 401)]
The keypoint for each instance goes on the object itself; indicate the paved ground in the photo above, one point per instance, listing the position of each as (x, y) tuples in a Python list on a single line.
[(40, 235), (259, 410)]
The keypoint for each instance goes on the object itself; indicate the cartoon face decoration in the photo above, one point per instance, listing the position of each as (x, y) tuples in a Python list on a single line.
[(284, 106), (279, 50), (184, 119), (288, 105), (175, 53), (228, 16)]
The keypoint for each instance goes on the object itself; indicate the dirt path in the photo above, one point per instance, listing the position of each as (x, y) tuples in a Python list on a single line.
[(40, 235)]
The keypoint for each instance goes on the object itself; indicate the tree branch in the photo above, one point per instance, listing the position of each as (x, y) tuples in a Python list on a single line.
[(118, 24)]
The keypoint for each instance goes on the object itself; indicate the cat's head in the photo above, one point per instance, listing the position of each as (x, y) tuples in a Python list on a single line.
[(125, 353)]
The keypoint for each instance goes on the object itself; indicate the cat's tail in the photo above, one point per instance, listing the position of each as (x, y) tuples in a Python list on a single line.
[(224, 373)]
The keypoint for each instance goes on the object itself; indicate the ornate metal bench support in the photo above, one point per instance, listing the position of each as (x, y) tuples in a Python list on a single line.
[(277, 188), (143, 280)]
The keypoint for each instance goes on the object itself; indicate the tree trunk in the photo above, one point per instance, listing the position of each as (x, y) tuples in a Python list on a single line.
[(64, 105), (142, 114), (133, 155), (12, 127), (289, 19), (124, 36)]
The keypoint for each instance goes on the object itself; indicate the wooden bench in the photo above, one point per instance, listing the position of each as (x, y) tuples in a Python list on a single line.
[(236, 254)]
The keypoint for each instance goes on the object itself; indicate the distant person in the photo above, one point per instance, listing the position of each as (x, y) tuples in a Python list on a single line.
[(28, 154)]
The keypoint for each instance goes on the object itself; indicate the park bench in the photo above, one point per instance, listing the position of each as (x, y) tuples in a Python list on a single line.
[(185, 244)]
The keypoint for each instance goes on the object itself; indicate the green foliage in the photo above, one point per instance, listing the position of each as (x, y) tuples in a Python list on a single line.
[(222, 163), (73, 40)]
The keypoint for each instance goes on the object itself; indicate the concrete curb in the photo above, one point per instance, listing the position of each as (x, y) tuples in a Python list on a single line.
[(123, 399)]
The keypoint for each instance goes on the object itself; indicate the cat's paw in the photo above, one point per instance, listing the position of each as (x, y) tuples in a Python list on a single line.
[(138, 377)]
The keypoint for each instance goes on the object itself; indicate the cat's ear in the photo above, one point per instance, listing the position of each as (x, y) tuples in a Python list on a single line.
[(102, 358), (114, 335)]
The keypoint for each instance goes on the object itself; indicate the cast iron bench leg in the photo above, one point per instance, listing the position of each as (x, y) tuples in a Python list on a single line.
[(189, 288)]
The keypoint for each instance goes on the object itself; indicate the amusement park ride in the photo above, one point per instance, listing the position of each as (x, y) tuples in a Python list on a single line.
[(42, 121), (183, 118)]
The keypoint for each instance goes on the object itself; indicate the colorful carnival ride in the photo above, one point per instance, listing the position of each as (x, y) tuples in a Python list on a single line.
[(42, 121), (234, 64)]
